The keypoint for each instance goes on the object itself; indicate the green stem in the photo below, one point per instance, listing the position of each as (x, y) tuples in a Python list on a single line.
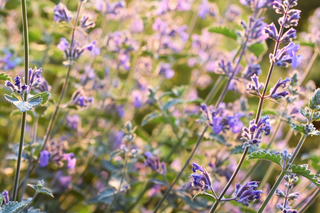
[(180, 173), (65, 85), (280, 178), (126, 158), (24, 114), (214, 89), (30, 157)]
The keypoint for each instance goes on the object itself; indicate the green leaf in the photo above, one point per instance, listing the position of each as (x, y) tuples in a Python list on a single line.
[(264, 155), (306, 43), (12, 207), (158, 182), (171, 103), (41, 110), (40, 189), (109, 192), (45, 97), (149, 117), (239, 149), (218, 138), (269, 112), (204, 194), (305, 129), (224, 31), (305, 172), (32, 210), (1, 199), (23, 106), (4, 77), (258, 49)]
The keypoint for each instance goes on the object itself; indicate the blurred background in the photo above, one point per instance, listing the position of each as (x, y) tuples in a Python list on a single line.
[(41, 24)]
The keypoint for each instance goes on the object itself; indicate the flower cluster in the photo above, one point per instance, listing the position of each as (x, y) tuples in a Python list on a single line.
[(290, 179), (247, 193), (221, 118), (201, 179), (79, 98), (286, 55), (253, 134), (61, 13), (154, 163), (75, 51), (55, 152)]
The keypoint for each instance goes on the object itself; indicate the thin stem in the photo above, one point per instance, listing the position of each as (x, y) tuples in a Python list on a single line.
[(35, 125), (308, 69), (275, 186), (180, 173), (126, 158), (214, 89), (308, 204), (65, 85), (24, 114)]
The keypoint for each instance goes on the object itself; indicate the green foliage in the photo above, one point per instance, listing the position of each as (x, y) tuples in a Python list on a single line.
[(239, 149), (224, 31), (258, 49), (305, 129), (265, 155), (12, 207), (305, 172), (40, 189), (199, 194), (106, 196), (171, 103), (151, 116), (218, 138), (4, 77)]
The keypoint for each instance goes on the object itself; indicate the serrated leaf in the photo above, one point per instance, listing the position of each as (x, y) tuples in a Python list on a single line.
[(204, 194), (224, 31), (258, 49), (265, 155), (12, 207), (46, 191), (23, 106), (115, 153), (305, 172), (4, 77), (171, 103), (149, 117)]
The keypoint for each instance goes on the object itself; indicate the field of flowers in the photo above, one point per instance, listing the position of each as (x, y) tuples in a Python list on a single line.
[(159, 106)]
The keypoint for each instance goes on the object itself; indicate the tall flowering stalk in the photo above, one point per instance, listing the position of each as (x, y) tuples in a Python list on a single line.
[(61, 14), (24, 114), (282, 57)]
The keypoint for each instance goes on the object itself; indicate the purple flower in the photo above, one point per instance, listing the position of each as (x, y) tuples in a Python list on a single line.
[(274, 91), (75, 52), (115, 139), (35, 77), (137, 99), (287, 55), (154, 163), (71, 161), (289, 35), (251, 70), (255, 86), (201, 179), (120, 110), (79, 98), (247, 193), (256, 31), (207, 8), (110, 8), (64, 181), (154, 190), (272, 31), (5, 194), (9, 62), (74, 121), (86, 22), (160, 26), (257, 4), (44, 158), (233, 12), (165, 70), (137, 25), (253, 134), (61, 13)]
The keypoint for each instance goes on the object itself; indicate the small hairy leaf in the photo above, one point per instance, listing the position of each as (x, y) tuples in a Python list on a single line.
[(239, 149), (149, 117), (264, 155), (12, 207), (218, 138), (171, 103), (204, 194), (305, 172), (4, 77), (109, 192), (224, 31)]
